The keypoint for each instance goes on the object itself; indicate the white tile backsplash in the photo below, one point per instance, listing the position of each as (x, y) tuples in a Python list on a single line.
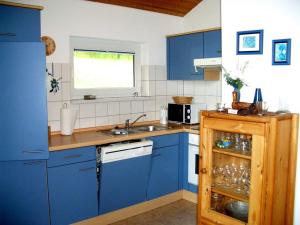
[(172, 88), (113, 108), (161, 87), (205, 93), (137, 106), (125, 107), (87, 122), (101, 109), (87, 110)]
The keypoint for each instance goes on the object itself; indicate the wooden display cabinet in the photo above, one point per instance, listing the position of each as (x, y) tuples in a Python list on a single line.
[(248, 161)]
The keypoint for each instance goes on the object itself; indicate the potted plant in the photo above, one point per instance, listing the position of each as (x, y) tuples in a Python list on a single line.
[(236, 83)]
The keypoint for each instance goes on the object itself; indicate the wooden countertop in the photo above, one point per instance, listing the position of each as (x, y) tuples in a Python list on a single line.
[(94, 137)]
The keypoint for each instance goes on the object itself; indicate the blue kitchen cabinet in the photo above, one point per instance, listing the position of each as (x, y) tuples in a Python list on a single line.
[(164, 172), (183, 49), (212, 44), (181, 52), (18, 24), (72, 181), (23, 193), (23, 115)]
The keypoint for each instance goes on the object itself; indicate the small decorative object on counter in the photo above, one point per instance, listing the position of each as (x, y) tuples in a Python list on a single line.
[(163, 115), (258, 100)]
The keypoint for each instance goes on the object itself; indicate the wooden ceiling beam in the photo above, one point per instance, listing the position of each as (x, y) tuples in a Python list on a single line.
[(175, 7)]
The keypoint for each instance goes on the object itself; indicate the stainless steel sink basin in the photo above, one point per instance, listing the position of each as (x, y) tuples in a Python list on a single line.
[(149, 128), (135, 130)]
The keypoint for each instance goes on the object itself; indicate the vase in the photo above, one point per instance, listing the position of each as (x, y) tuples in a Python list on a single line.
[(236, 95)]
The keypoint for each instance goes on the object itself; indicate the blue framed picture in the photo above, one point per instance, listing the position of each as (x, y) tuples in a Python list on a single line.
[(249, 42), (281, 52)]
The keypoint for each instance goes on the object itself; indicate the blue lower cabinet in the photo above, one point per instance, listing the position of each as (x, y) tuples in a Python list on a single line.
[(123, 183), (73, 192), (164, 175), (23, 193)]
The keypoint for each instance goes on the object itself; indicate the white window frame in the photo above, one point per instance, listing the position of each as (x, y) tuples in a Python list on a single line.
[(99, 44)]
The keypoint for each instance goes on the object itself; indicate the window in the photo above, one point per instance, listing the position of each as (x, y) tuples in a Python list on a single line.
[(104, 68)]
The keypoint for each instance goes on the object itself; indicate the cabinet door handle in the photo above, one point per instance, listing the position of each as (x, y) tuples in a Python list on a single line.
[(203, 170), (37, 151), (8, 34), (87, 169), (72, 156), (32, 163)]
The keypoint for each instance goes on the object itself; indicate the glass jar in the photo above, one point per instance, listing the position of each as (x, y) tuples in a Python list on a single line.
[(217, 202)]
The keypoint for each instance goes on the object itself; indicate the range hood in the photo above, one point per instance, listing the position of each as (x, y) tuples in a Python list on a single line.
[(208, 63)]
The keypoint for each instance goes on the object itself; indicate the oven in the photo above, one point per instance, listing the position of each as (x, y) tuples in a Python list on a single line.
[(193, 159)]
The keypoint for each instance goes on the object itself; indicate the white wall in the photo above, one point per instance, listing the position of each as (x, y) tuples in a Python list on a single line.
[(64, 18), (280, 84), (206, 14)]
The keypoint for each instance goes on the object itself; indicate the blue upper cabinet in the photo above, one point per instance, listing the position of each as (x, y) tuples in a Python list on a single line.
[(23, 114), (212, 44), (183, 49), (23, 193), (19, 24)]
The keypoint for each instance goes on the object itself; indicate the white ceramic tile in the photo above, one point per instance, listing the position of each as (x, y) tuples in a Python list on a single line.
[(149, 106), (219, 88), (101, 109), (157, 115), (180, 88), (200, 87), (101, 121), (200, 99), (160, 73), (55, 125), (125, 107), (211, 102), (152, 88), (160, 101), (113, 108), (170, 99), (151, 72), (87, 110), (211, 88), (54, 110), (113, 119), (137, 106), (172, 88), (66, 92), (57, 70), (161, 87), (145, 72), (76, 110), (188, 88), (145, 88), (150, 116), (87, 122), (49, 67), (66, 75)]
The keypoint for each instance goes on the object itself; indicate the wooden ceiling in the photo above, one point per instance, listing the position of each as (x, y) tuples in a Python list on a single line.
[(171, 7)]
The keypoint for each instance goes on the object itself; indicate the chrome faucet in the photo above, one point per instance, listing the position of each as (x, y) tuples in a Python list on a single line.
[(127, 122)]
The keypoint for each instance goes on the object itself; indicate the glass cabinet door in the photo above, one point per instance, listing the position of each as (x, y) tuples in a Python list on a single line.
[(231, 181), (231, 174)]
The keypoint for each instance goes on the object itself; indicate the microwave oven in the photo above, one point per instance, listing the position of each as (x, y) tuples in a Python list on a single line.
[(187, 114)]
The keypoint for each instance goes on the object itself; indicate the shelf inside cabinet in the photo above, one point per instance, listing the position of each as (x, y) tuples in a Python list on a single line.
[(231, 152), (229, 192)]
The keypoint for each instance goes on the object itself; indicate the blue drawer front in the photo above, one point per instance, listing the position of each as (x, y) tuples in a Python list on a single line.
[(19, 24), (69, 156), (165, 140), (123, 183)]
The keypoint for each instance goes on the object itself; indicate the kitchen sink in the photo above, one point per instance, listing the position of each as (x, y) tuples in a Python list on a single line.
[(134, 130)]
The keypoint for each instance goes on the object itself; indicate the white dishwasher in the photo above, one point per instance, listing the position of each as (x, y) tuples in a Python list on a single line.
[(123, 174), (193, 159)]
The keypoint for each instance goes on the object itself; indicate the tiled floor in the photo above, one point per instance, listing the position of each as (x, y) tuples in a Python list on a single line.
[(178, 213)]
